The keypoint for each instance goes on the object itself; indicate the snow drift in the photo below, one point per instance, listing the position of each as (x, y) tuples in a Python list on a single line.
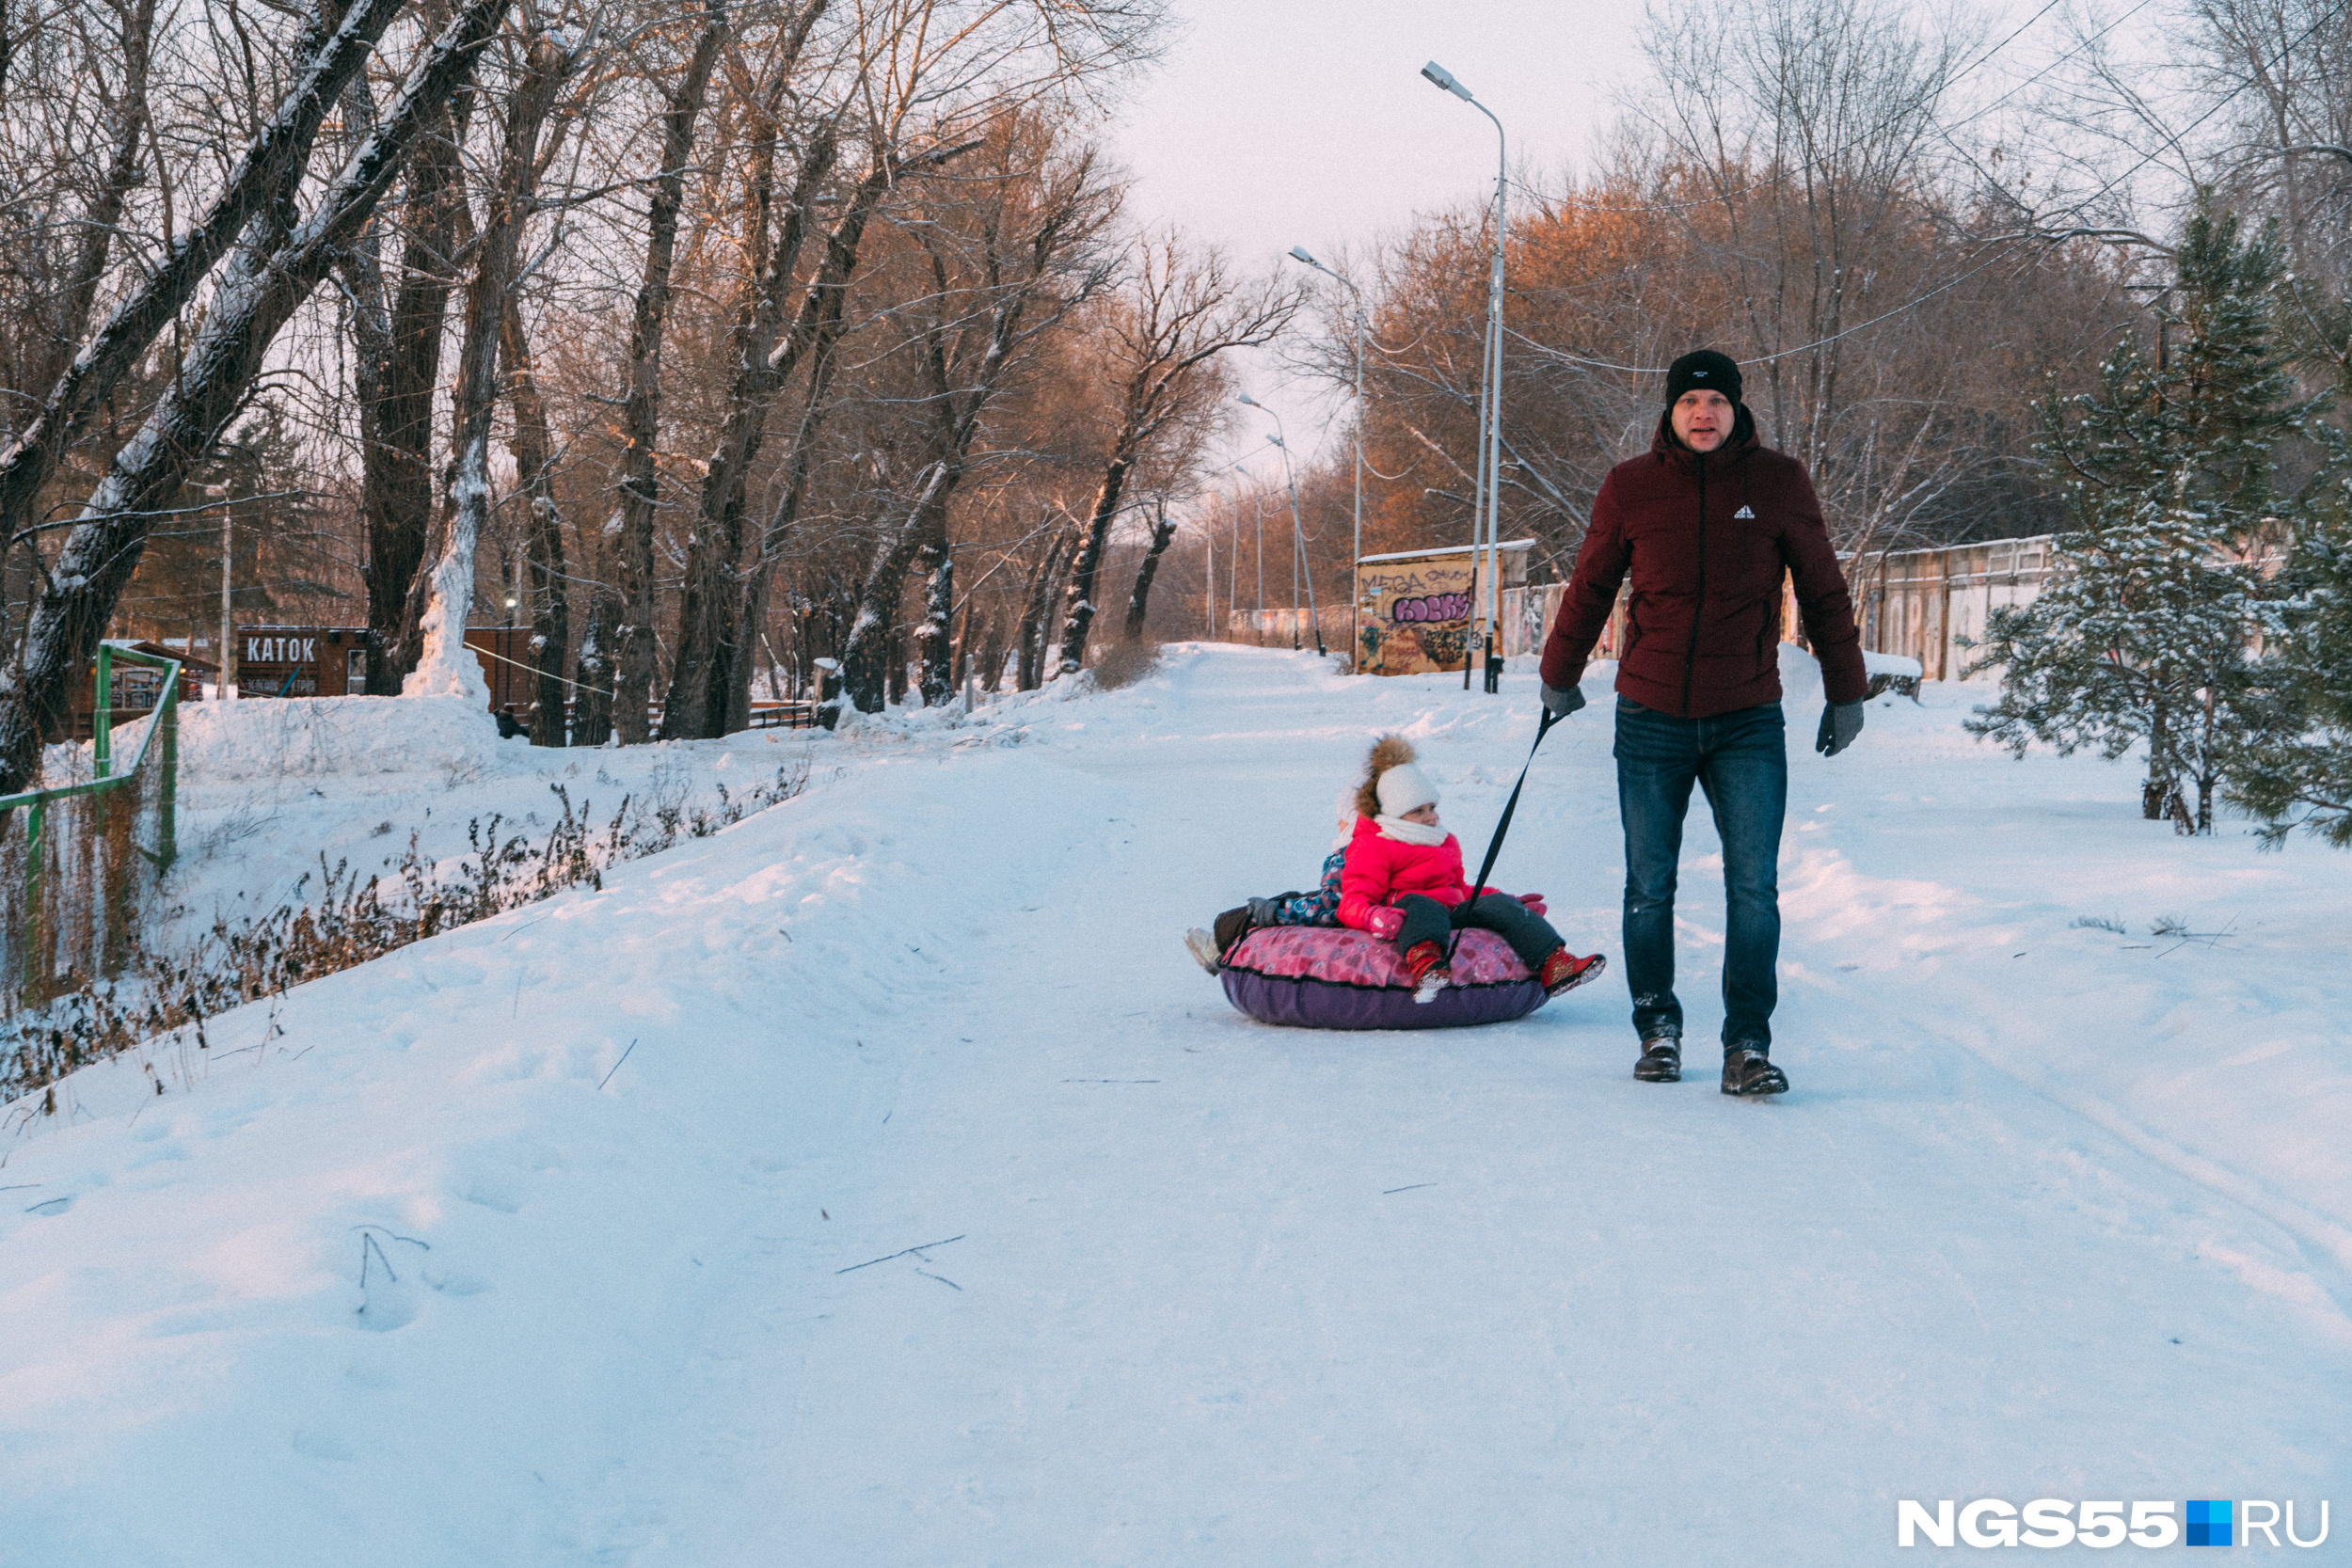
[(319, 737)]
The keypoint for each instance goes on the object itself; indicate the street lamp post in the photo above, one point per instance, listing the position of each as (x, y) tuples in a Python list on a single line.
[(1208, 544), (1232, 556), (1490, 393), (1355, 637), (1299, 535)]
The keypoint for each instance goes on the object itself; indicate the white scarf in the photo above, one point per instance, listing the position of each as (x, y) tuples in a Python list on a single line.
[(1411, 833)]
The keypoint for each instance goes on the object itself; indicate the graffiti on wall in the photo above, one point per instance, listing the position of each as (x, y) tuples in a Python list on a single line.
[(1414, 617)]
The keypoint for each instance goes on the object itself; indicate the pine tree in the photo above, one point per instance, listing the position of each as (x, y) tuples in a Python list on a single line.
[(2293, 768), (2143, 633)]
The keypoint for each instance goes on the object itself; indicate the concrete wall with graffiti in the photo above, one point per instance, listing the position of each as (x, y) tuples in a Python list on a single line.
[(1414, 616)]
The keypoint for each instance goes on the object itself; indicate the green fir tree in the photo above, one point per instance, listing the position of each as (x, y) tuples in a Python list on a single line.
[(2143, 634), (2294, 767)]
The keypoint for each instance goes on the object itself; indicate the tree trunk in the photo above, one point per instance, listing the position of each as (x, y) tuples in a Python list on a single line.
[(592, 676), (932, 650), (1139, 603), (706, 599), (438, 604), (753, 615), (396, 413), (992, 653), (256, 297), (543, 537), (962, 669), (1035, 627), (1078, 615), (2163, 783), (621, 632), (866, 667)]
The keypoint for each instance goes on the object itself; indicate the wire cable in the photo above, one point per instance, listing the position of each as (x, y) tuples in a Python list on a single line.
[(1824, 158), (2013, 248)]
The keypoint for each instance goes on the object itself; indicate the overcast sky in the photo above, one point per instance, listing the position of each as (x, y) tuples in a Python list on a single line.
[(1280, 122)]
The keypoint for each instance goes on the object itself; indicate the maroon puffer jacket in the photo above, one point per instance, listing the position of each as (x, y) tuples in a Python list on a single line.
[(1706, 538)]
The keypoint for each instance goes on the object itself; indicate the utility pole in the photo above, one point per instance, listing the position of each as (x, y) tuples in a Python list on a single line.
[(1299, 535), (1208, 544), (225, 691)]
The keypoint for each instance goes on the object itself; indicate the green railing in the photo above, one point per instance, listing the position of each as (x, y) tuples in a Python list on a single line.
[(99, 921)]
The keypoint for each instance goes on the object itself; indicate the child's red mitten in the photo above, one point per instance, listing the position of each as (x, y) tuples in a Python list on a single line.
[(1385, 922), (1534, 902)]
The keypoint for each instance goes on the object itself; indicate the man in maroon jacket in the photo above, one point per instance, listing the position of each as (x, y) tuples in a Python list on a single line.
[(1707, 521)]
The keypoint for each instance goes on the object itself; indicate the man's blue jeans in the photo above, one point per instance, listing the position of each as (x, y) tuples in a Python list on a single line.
[(1740, 760)]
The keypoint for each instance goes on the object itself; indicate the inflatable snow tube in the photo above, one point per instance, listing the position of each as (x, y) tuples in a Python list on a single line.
[(1330, 977)]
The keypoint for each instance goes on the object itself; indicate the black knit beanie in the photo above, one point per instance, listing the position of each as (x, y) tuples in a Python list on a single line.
[(1702, 370)]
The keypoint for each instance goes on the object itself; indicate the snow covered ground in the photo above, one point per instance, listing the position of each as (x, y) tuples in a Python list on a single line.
[(878, 1181)]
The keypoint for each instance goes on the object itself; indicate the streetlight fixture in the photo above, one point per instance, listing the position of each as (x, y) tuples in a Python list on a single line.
[(1440, 76), (1490, 395), (1299, 535), (1355, 638)]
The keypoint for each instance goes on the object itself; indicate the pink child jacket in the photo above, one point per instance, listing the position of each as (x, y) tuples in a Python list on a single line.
[(1380, 870)]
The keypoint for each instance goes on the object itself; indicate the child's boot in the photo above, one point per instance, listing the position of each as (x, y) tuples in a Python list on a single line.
[(1426, 962), (1563, 971)]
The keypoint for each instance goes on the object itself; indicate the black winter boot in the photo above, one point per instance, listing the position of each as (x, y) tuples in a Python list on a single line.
[(1749, 1072), (1662, 1060), (1229, 928)]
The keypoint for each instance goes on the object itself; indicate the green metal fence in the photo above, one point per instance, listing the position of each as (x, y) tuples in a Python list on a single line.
[(74, 884)]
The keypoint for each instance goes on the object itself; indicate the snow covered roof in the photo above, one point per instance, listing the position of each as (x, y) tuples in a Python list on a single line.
[(1509, 546)]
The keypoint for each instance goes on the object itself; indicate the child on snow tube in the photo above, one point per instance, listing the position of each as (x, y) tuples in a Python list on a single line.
[(1319, 907), (1402, 881)]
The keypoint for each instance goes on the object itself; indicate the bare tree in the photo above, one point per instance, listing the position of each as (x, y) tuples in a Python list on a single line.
[(397, 345), (545, 589), (258, 190), (616, 668), (1809, 133), (1020, 237), (1140, 602), (1180, 311), (762, 364), (259, 291), (1035, 629), (816, 402), (438, 604)]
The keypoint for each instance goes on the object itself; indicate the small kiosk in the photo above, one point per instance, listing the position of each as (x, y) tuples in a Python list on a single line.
[(138, 687), (302, 661), (332, 661)]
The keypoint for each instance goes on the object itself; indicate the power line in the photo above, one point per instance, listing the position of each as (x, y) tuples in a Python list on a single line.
[(1946, 287), (1572, 201)]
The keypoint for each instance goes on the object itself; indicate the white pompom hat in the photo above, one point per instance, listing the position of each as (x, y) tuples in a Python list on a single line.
[(1404, 787)]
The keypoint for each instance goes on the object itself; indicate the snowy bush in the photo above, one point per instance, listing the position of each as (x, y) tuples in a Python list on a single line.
[(1124, 663), (342, 921)]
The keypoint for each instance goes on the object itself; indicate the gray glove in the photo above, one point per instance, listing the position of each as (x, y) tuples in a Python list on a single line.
[(1261, 911), (1840, 724), (1560, 703)]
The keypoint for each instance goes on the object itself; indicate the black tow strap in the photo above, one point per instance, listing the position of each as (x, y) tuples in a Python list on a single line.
[(1494, 846)]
